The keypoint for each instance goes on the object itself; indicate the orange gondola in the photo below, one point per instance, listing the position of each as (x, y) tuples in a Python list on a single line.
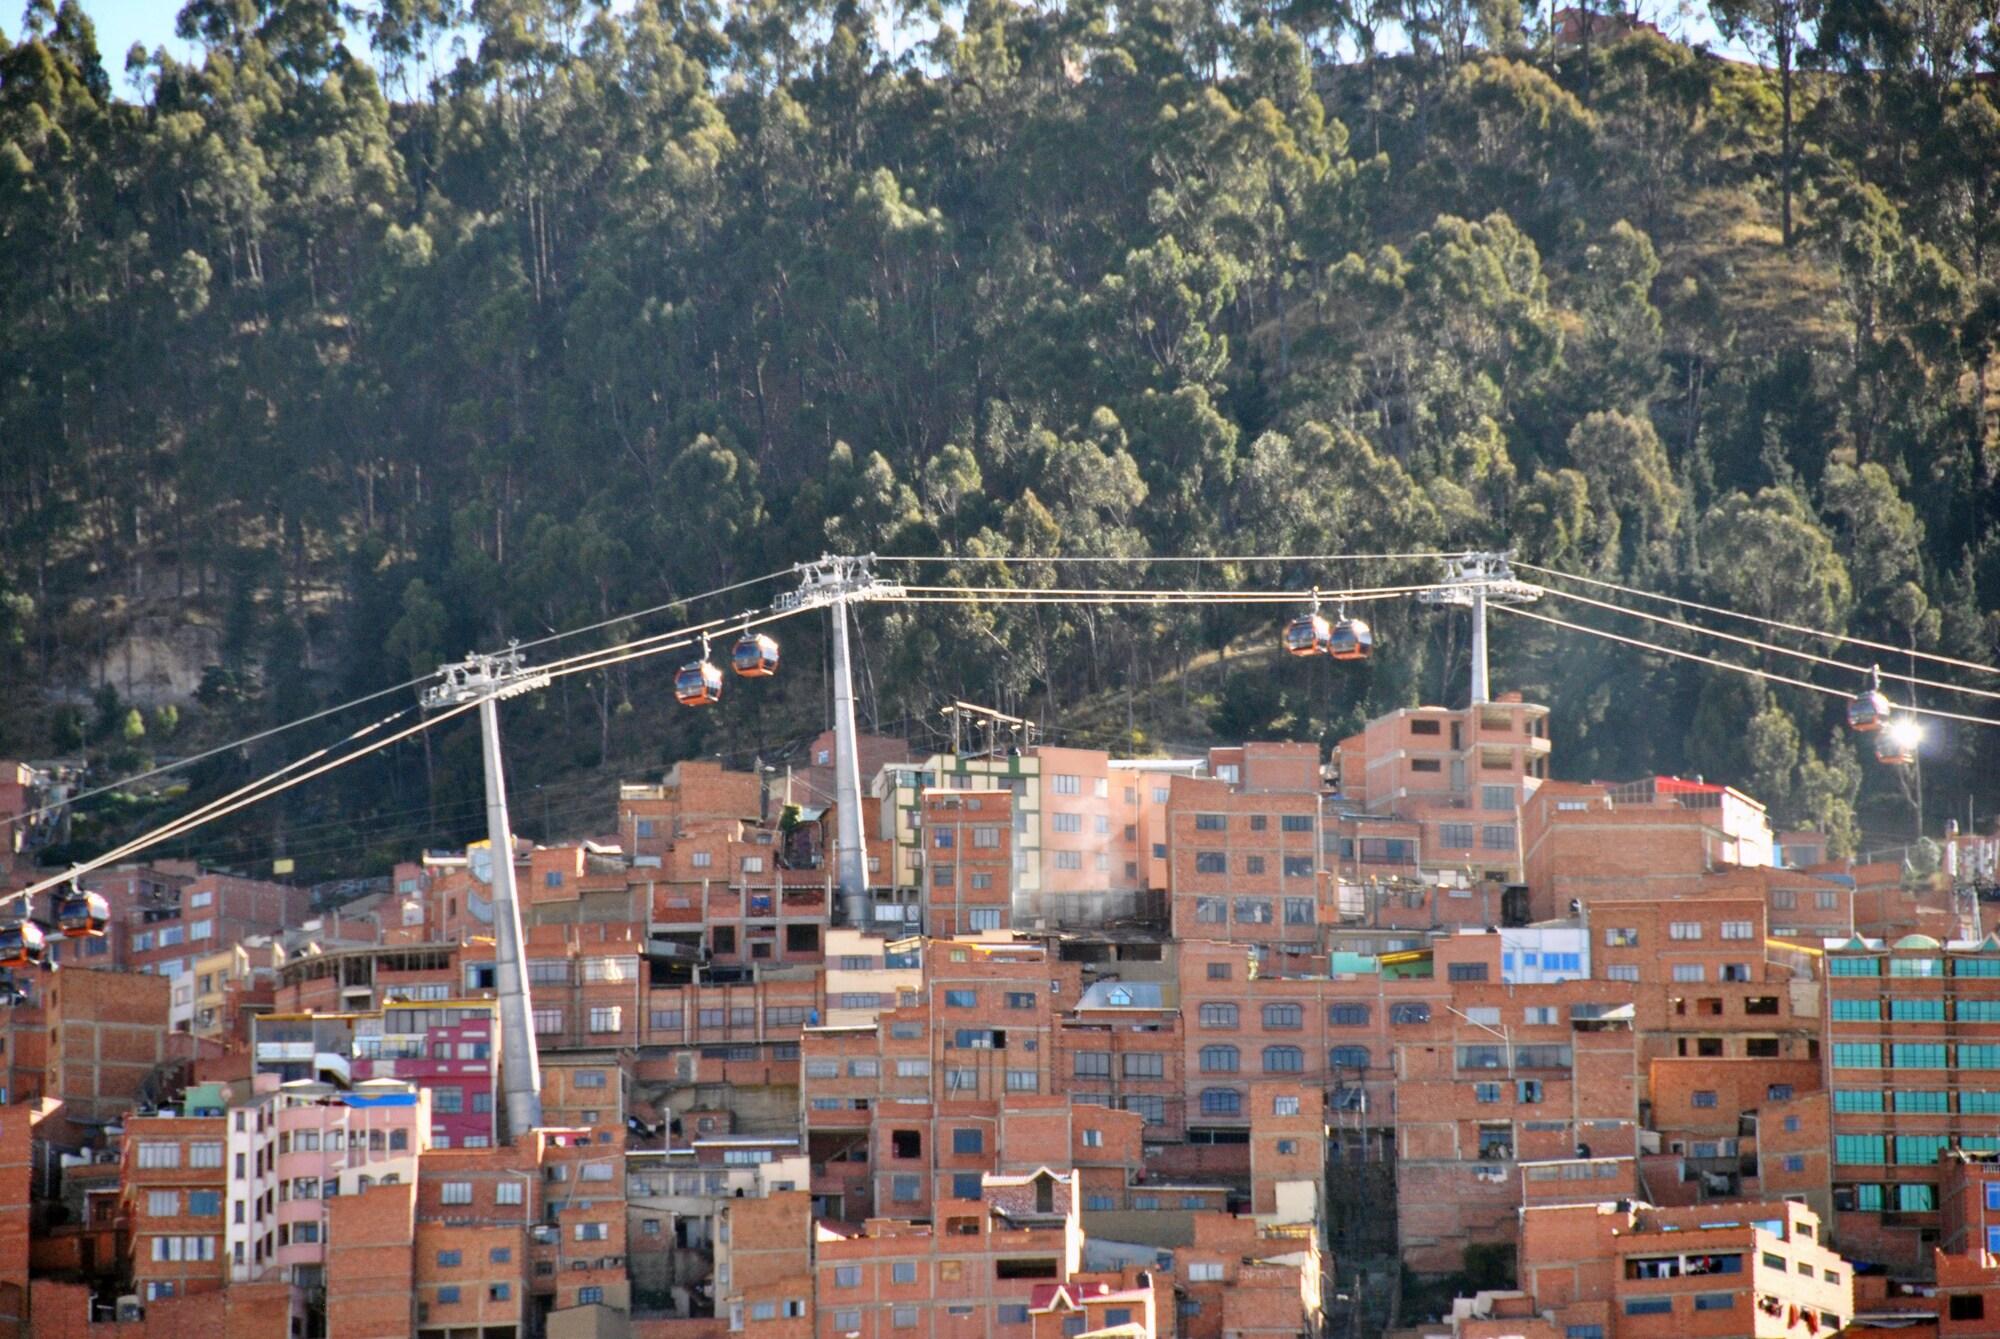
[(1308, 635), (755, 656), (699, 684), (22, 944), (1869, 711), (83, 915), (1352, 640), (1896, 743)]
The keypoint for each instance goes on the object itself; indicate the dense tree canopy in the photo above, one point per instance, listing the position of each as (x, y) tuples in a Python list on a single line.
[(358, 341)]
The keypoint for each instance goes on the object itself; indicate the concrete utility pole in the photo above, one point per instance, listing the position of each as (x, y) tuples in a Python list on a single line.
[(1472, 579), (833, 582), (486, 679)]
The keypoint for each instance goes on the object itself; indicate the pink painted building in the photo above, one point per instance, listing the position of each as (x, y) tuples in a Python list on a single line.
[(333, 1143), (449, 1048)]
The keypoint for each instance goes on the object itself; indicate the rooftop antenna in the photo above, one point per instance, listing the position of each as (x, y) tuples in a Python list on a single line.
[(1472, 580)]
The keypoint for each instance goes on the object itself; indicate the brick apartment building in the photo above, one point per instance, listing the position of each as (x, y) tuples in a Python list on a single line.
[(1652, 838), (1079, 857), (175, 1179), (1631, 1271), (107, 1042), (968, 866), (973, 1269), (165, 915), (1245, 864), (1913, 1048), (1457, 778)]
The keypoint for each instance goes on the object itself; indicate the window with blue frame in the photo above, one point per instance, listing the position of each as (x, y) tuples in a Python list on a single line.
[(1857, 1055), (1918, 1055), (1860, 1149), (1857, 1011), (1917, 1011), (1978, 1057), (1857, 1099), (1920, 1150)]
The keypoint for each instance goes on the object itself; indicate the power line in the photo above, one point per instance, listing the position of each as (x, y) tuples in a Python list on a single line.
[(1766, 622), (1776, 650), (1733, 668)]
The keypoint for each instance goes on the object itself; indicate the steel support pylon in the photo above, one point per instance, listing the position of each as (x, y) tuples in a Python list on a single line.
[(1471, 580), (834, 582), (486, 679)]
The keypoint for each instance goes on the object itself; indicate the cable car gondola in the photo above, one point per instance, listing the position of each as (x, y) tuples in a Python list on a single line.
[(83, 915), (1308, 634), (755, 656), (1867, 712), (1896, 743), (699, 683), (22, 944), (1352, 639)]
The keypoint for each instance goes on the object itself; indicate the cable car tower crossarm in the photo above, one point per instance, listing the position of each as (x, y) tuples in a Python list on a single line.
[(1473, 580)]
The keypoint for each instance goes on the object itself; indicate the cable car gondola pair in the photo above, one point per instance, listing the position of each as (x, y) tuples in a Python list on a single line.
[(1311, 633), (699, 682)]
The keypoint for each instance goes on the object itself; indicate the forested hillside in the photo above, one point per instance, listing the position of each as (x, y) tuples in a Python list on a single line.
[(372, 337)]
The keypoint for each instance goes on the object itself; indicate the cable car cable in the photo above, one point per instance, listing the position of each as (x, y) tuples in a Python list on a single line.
[(323, 713), (1519, 612), (1884, 647), (1864, 670), (272, 783), (1142, 560)]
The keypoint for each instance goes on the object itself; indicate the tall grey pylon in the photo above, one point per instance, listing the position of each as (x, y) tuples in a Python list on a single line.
[(834, 582), (486, 679), (1472, 579)]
